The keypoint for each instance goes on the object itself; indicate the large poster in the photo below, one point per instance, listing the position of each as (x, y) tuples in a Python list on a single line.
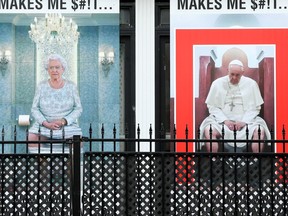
[(92, 59), (202, 36)]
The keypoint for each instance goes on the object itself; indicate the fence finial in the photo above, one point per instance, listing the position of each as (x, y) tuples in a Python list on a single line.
[(138, 131), (102, 130)]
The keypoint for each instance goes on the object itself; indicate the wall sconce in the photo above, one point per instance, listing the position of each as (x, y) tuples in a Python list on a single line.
[(4, 60), (106, 60)]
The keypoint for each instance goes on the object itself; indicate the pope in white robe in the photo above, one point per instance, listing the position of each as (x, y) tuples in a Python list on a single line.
[(234, 101)]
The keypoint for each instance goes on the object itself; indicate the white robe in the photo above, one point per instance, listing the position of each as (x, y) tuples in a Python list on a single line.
[(247, 100)]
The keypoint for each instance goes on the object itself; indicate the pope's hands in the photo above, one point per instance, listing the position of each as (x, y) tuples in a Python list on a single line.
[(234, 125), (239, 125)]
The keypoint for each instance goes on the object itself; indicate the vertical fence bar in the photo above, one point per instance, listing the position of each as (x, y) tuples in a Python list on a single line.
[(126, 173), (114, 169), (272, 164), (199, 173), (27, 159), (235, 171), (38, 172), (260, 171), (284, 170), (285, 183), (138, 173), (150, 172), (102, 169), (175, 173), (211, 167), (283, 137), (247, 172), (63, 169), (51, 169), (223, 168), (2, 172), (197, 144), (14, 168), (174, 137), (27, 137), (2, 135), (186, 169), (102, 137), (90, 169), (138, 137), (150, 137), (76, 181)]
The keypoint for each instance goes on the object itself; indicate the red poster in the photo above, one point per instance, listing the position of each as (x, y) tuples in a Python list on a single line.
[(185, 42)]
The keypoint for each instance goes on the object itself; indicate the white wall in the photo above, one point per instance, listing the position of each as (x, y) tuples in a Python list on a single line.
[(145, 67)]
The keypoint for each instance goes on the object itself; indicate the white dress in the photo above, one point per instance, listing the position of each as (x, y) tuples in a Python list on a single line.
[(51, 104)]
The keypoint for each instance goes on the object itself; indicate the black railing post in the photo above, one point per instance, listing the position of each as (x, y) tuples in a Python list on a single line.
[(76, 181), (2, 173)]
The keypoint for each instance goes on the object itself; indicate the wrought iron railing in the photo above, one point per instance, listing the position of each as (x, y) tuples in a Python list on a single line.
[(113, 182)]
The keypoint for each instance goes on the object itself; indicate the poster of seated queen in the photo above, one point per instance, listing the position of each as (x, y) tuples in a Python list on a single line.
[(228, 68), (66, 47)]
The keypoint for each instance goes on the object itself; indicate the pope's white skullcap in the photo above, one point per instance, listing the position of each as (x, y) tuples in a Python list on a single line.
[(236, 62)]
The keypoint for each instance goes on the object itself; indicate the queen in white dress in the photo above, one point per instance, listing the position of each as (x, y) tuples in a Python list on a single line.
[(56, 105)]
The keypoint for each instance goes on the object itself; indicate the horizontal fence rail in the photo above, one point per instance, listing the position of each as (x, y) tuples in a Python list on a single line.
[(81, 176)]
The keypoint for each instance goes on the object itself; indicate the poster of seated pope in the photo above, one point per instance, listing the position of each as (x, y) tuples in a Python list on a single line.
[(234, 95)]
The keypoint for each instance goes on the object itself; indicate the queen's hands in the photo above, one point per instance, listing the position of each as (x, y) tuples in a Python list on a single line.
[(53, 125)]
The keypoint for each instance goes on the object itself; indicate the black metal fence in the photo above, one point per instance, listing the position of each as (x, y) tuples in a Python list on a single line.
[(114, 182)]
